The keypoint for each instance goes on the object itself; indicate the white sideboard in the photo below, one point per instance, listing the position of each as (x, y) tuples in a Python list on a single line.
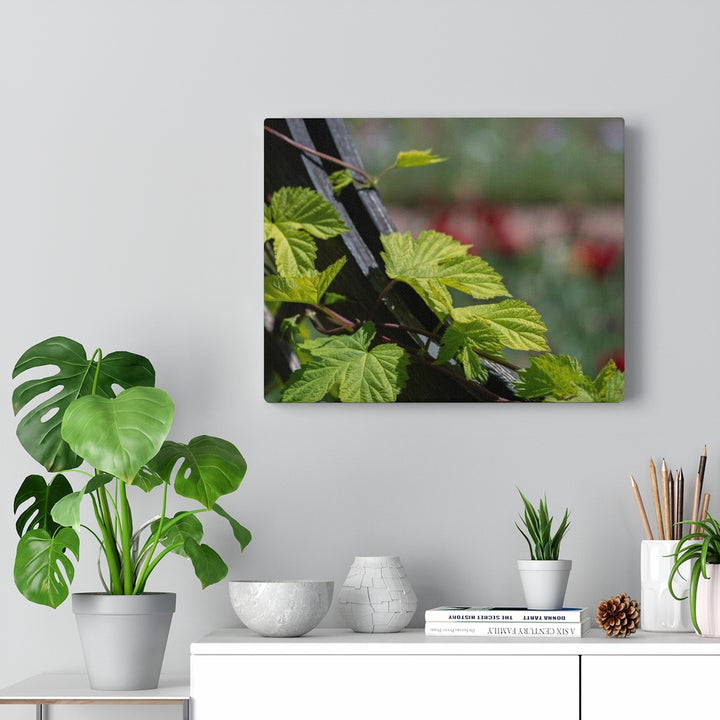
[(344, 675)]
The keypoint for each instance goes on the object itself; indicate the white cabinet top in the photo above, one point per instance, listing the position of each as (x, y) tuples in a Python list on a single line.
[(326, 641)]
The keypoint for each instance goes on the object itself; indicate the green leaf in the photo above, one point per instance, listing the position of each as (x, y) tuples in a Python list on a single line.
[(39, 430), (517, 324), (242, 534), (66, 512), (347, 368), (294, 219), (557, 376), (38, 514), (417, 158), (203, 470), (184, 525), (119, 435), (561, 378), (340, 180), (435, 262), (208, 565), (307, 289), (43, 569), (463, 342), (610, 383)]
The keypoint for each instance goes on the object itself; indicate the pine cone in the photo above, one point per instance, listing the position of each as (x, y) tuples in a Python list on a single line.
[(618, 616)]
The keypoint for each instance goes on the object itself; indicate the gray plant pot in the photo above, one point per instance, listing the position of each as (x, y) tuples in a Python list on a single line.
[(123, 637)]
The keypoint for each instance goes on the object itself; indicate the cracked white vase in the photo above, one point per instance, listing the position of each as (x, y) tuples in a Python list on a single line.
[(377, 596)]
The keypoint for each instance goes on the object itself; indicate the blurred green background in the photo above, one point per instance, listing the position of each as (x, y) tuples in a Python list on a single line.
[(541, 199)]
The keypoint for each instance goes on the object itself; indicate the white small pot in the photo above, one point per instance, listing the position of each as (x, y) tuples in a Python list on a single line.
[(707, 602), (544, 582)]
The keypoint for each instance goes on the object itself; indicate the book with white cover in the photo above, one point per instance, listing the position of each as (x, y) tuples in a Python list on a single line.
[(451, 613), (509, 630)]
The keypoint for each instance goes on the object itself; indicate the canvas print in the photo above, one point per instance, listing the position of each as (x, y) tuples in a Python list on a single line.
[(444, 260)]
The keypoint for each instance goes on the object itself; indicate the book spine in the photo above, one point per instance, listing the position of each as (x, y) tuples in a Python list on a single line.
[(470, 629), (543, 616)]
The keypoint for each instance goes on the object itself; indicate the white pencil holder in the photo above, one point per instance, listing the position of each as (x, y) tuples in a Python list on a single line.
[(659, 610)]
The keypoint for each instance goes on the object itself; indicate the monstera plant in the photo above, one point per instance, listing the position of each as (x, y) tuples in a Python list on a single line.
[(104, 412)]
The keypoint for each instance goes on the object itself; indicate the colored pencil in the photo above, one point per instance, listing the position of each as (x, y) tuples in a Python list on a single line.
[(666, 500), (641, 508), (656, 501)]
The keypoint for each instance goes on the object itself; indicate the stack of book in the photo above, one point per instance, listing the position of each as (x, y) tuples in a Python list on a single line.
[(507, 622)]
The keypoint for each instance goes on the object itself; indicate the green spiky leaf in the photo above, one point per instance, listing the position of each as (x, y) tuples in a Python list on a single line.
[(517, 324), (561, 378), (417, 158), (295, 218), (347, 367), (340, 180), (463, 342), (309, 288), (435, 262)]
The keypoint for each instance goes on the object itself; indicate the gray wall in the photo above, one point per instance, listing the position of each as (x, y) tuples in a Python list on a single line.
[(130, 176)]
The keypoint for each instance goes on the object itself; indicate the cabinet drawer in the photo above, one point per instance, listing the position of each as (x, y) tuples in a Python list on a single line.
[(356, 687), (654, 686)]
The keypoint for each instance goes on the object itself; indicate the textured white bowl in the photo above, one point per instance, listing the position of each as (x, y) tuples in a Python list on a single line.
[(277, 608)]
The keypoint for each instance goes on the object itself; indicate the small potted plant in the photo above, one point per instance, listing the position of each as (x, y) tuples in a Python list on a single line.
[(701, 549), (545, 576), (106, 412)]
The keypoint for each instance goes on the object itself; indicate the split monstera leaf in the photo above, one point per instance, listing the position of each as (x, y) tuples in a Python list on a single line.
[(75, 416)]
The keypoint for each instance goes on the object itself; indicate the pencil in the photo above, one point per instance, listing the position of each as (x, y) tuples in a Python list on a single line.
[(696, 502), (666, 500), (641, 508), (705, 505), (656, 501), (681, 505), (699, 485)]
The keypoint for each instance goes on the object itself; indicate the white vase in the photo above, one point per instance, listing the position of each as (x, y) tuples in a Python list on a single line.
[(544, 582), (659, 610), (707, 602), (123, 637), (376, 596)]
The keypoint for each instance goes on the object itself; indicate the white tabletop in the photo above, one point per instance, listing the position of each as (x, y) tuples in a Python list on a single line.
[(327, 641), (59, 688)]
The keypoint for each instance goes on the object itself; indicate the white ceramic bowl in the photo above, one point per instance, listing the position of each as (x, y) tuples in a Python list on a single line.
[(276, 608)]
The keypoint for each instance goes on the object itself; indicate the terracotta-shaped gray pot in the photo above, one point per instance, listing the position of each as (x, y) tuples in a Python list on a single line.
[(123, 637)]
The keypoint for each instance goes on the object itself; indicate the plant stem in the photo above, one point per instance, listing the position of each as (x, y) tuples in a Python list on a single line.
[(105, 522), (368, 178), (339, 319), (157, 534), (125, 538), (382, 294), (97, 354)]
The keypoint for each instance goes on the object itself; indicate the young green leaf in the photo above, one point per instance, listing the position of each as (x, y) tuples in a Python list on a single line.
[(463, 341), (346, 367), (610, 383), (517, 324), (340, 180), (308, 289), (435, 262), (295, 218), (417, 158)]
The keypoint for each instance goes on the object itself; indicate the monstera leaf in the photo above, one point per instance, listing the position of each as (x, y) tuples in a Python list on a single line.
[(119, 435), (38, 514), (210, 467), (39, 430), (43, 569)]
